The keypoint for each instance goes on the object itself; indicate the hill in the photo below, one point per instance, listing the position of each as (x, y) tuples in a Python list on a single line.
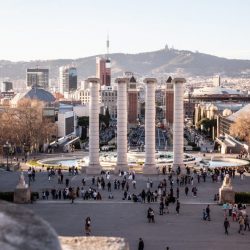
[(161, 62)]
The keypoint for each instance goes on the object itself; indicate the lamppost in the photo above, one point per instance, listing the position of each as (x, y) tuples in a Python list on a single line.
[(6, 147)]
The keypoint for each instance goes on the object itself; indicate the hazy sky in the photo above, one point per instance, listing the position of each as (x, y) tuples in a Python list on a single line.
[(50, 29)]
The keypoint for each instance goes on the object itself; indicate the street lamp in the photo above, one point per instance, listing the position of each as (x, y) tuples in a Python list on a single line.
[(6, 147)]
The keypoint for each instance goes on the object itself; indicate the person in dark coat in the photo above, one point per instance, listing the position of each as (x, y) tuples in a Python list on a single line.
[(141, 244), (226, 225)]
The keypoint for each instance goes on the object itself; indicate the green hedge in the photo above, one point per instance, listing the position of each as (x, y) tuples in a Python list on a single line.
[(9, 196), (242, 197)]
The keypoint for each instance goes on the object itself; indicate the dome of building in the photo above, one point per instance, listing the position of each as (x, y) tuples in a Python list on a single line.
[(39, 94), (210, 91), (227, 112), (34, 94)]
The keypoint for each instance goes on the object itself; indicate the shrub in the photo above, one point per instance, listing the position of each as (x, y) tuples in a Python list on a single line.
[(9, 196), (34, 196), (242, 197)]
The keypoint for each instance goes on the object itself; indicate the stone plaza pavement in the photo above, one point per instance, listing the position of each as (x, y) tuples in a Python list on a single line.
[(127, 219)]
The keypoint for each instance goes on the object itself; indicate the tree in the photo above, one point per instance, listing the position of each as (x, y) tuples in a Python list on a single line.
[(107, 117), (26, 125), (241, 127), (83, 122)]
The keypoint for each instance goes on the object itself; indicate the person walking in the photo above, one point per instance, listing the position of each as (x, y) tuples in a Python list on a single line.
[(246, 222), (87, 226), (151, 215), (161, 207), (241, 224), (186, 190), (141, 244), (208, 212), (177, 207), (226, 225)]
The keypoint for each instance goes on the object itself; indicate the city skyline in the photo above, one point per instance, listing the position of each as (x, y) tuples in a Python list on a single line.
[(61, 29)]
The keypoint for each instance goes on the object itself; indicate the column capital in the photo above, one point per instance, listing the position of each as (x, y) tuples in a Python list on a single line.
[(122, 80), (178, 80), (93, 80), (149, 80)]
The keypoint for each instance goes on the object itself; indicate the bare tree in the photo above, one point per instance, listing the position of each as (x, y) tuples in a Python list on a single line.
[(241, 127), (26, 125)]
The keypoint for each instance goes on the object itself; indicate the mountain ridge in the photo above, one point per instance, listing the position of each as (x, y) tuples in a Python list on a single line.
[(154, 63)]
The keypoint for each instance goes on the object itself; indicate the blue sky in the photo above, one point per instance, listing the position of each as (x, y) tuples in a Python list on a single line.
[(50, 29)]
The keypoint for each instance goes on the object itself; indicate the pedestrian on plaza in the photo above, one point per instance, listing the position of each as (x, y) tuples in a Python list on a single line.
[(143, 196), (87, 226), (47, 194), (226, 225), (166, 205), (230, 209), (246, 222), (151, 183), (177, 207), (127, 186), (208, 212), (241, 224), (43, 195), (67, 182), (109, 186), (33, 174), (141, 244), (234, 212), (198, 177), (177, 193), (83, 182), (151, 215), (134, 184), (161, 207), (204, 214), (72, 195), (194, 191), (186, 190)]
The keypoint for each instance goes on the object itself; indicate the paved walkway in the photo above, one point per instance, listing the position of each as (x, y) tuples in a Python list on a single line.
[(128, 219)]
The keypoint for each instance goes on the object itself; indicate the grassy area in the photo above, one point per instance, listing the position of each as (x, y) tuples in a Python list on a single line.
[(34, 163)]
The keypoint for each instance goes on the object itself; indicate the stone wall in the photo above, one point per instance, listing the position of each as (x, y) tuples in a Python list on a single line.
[(93, 243), (21, 229)]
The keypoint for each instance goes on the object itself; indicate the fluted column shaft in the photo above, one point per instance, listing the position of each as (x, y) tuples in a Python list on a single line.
[(94, 110), (122, 121), (178, 126), (149, 167)]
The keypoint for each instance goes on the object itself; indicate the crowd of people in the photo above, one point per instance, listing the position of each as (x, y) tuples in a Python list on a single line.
[(238, 214), (165, 192)]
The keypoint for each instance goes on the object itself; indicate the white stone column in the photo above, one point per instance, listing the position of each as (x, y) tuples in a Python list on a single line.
[(94, 110), (178, 126), (149, 166), (122, 124)]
